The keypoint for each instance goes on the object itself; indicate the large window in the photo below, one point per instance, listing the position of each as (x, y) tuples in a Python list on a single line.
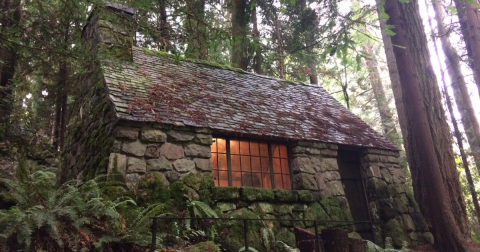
[(250, 163)]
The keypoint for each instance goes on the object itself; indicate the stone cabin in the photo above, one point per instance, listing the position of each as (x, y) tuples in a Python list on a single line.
[(273, 148)]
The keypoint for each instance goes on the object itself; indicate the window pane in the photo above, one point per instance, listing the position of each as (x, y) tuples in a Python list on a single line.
[(286, 181), (276, 166), (244, 148), (267, 181), (283, 151), (234, 147), (215, 177), (246, 163), (275, 150), (235, 159), (222, 161), (213, 147), (221, 144), (223, 178), (214, 161), (285, 166), (278, 181), (236, 179), (256, 166), (263, 149), (251, 179), (265, 165), (254, 149)]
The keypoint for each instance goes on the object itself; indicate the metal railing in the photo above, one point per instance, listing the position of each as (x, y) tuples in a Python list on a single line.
[(245, 222)]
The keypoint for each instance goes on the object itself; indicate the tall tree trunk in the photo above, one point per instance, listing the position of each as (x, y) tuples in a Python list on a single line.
[(11, 15), (279, 49), (462, 96), (456, 76), (470, 26), (257, 45), (240, 21), (310, 28), (386, 116), (196, 30), (430, 155), (163, 27)]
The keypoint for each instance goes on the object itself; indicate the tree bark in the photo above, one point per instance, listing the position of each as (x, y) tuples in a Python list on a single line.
[(430, 155), (470, 26), (257, 45), (386, 116), (453, 66), (196, 30), (278, 36), (461, 94), (8, 58), (310, 29), (240, 21)]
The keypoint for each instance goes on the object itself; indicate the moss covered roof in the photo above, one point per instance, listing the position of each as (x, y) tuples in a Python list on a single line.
[(161, 88)]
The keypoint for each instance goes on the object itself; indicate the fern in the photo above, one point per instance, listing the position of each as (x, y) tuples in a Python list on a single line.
[(250, 249)]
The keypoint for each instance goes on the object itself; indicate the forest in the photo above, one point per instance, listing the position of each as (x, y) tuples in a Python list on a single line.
[(410, 69)]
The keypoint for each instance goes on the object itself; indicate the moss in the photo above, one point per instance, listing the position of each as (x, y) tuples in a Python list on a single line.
[(282, 209), (285, 235), (285, 83), (225, 193), (394, 230), (257, 194), (315, 212), (305, 196), (231, 233), (285, 195), (208, 246)]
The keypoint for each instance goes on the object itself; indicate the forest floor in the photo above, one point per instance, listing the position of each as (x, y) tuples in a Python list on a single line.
[(475, 247)]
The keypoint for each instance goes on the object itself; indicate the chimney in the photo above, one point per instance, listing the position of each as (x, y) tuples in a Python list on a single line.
[(110, 31)]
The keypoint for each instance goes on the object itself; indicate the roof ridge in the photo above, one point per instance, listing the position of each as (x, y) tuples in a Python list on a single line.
[(158, 53)]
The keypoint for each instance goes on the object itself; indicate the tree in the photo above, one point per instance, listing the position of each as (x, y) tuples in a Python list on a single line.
[(430, 155), (196, 30), (470, 27), (240, 20)]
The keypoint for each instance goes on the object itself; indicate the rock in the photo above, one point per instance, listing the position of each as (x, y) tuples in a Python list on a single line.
[(386, 175), (400, 203), (285, 195), (304, 181), (394, 230), (172, 176), (305, 196), (257, 194), (117, 163), (203, 164), (180, 136), (373, 171), (160, 164), (226, 193), (136, 165), (262, 208), (329, 153), (172, 151), (184, 165), (408, 222), (125, 132), (225, 207), (153, 135), (134, 148), (336, 188), (152, 151), (117, 146), (205, 139), (331, 175), (302, 165), (132, 181), (329, 164), (195, 150)]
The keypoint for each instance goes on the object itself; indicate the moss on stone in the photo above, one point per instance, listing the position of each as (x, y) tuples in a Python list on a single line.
[(207, 246), (305, 196), (281, 209), (285, 235), (285, 195), (257, 194), (315, 212), (394, 230), (225, 193)]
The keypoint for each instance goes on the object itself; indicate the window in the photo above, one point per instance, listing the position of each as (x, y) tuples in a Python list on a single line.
[(250, 163)]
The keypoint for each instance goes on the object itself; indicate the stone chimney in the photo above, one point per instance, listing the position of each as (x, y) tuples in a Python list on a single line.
[(110, 31)]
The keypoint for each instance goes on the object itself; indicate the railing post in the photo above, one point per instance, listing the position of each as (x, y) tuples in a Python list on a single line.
[(245, 230), (317, 241), (154, 235)]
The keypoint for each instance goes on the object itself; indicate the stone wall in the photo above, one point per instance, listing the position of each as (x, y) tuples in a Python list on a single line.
[(394, 210), (165, 151)]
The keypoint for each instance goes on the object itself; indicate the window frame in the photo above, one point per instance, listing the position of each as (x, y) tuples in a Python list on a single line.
[(270, 159)]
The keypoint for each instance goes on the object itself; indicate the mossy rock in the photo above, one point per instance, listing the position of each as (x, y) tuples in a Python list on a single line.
[(285, 235), (231, 233), (207, 246), (315, 212), (225, 193), (393, 229), (199, 181), (282, 209), (285, 195), (257, 194), (305, 196)]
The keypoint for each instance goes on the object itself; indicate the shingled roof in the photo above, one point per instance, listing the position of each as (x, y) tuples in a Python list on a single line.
[(159, 88)]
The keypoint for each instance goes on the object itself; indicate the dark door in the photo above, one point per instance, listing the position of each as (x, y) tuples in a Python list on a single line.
[(349, 165)]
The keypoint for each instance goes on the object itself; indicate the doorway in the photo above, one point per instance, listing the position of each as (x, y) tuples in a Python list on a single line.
[(353, 185)]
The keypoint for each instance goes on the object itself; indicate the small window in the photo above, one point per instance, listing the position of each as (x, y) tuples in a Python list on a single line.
[(250, 163)]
